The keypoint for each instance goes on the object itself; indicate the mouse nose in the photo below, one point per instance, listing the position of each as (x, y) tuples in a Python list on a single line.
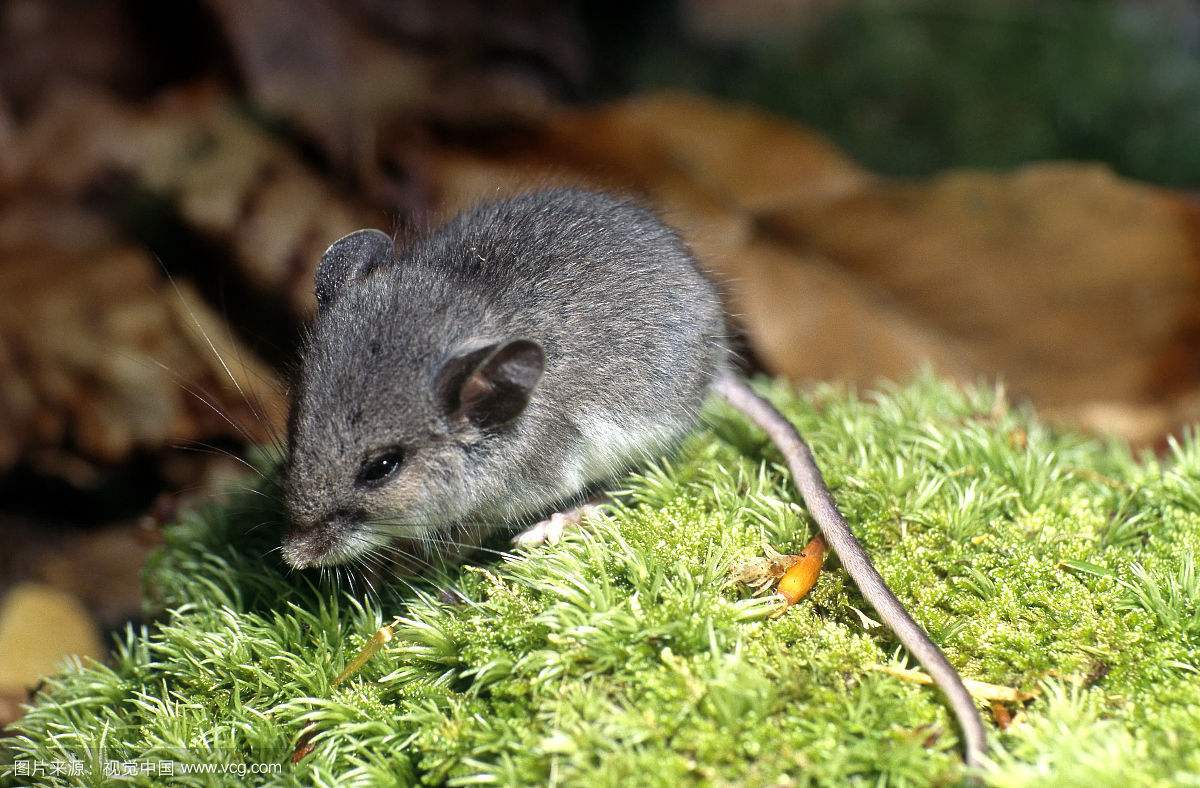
[(308, 543), (335, 520), (341, 519)]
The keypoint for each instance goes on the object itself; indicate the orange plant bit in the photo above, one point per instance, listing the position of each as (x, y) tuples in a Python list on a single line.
[(801, 576), (1001, 715)]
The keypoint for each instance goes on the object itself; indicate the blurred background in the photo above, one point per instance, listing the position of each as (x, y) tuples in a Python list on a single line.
[(996, 189)]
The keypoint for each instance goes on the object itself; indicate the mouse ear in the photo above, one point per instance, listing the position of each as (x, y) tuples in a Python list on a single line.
[(490, 386), (350, 257)]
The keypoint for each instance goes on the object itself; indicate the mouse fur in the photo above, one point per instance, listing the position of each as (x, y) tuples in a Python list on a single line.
[(630, 334)]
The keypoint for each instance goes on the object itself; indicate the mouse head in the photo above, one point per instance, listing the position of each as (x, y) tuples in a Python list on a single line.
[(389, 418)]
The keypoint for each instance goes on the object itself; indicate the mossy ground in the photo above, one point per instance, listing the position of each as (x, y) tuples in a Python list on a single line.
[(623, 655)]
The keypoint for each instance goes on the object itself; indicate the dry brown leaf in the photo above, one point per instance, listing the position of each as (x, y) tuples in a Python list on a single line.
[(745, 159), (808, 319), (102, 569), (1073, 284), (39, 628)]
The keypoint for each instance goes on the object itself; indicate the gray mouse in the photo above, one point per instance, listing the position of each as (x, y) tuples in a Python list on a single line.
[(499, 368)]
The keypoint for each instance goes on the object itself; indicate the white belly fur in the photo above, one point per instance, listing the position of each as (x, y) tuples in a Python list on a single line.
[(608, 448)]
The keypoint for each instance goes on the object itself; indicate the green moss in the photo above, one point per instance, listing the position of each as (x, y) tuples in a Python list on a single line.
[(1038, 559)]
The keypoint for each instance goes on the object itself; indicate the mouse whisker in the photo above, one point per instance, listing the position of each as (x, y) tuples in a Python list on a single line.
[(385, 567), (202, 395), (359, 569), (200, 447), (393, 550), (489, 550), (442, 539), (256, 526), (388, 569), (253, 491), (255, 406)]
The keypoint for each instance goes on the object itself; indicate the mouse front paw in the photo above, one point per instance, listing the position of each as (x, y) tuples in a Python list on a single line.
[(550, 530)]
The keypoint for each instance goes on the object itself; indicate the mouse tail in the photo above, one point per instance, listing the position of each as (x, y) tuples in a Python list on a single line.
[(820, 503)]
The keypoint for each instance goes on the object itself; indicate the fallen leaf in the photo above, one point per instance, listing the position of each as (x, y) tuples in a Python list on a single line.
[(40, 627), (1074, 284)]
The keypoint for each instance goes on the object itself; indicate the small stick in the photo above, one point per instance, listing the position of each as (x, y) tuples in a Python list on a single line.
[(978, 689), (377, 641)]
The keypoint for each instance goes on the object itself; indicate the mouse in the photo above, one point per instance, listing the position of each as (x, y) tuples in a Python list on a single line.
[(508, 364)]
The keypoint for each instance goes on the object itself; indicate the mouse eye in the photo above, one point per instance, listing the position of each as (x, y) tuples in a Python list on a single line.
[(380, 467)]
